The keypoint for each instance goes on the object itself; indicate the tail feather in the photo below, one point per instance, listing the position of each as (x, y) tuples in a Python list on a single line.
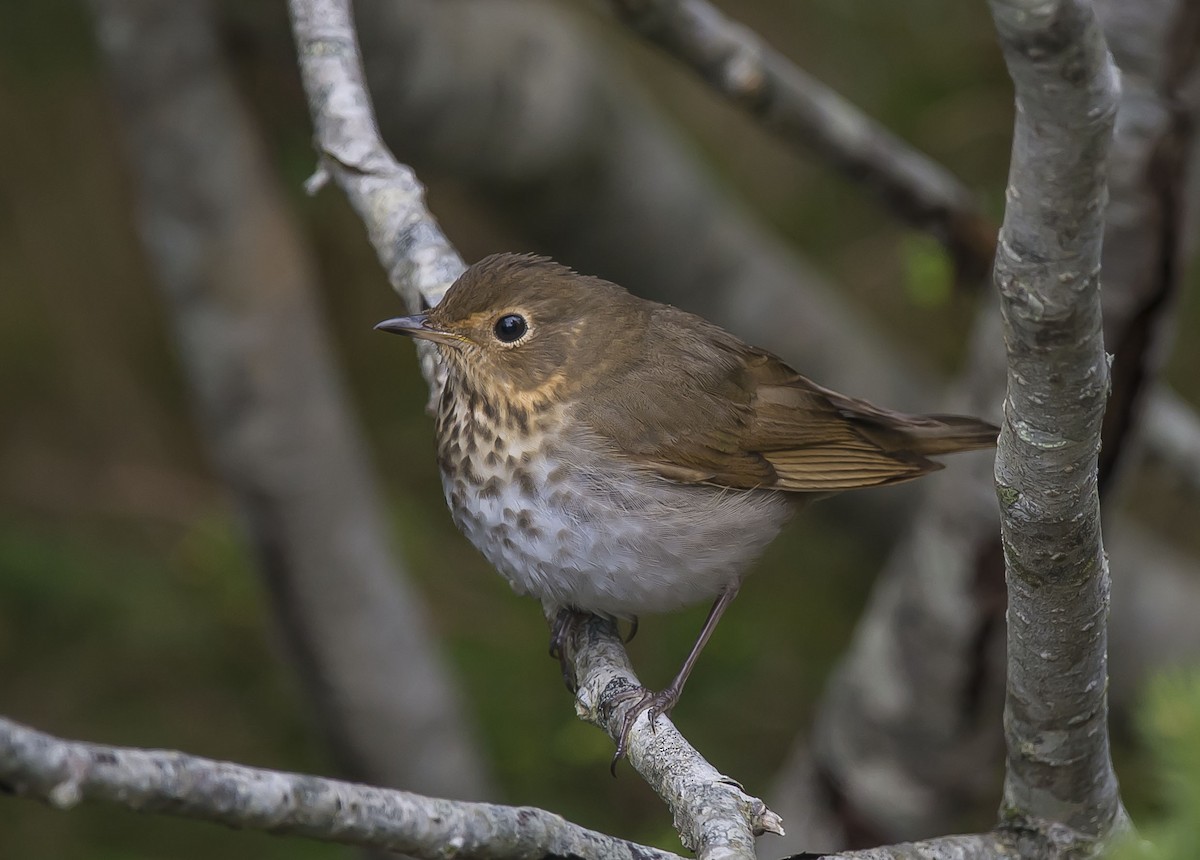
[(950, 434), (924, 435)]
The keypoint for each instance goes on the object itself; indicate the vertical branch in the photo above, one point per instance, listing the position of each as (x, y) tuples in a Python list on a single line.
[(1047, 273)]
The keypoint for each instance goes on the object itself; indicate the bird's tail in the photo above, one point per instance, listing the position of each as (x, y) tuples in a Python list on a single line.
[(923, 435)]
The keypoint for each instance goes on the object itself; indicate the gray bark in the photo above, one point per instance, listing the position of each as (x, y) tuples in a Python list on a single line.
[(1048, 275), (63, 773), (892, 716), (238, 285), (715, 817)]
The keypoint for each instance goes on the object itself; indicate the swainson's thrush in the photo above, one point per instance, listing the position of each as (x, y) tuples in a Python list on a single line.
[(618, 456)]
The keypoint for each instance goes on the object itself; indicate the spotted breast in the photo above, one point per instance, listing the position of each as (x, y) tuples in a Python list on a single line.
[(565, 520)]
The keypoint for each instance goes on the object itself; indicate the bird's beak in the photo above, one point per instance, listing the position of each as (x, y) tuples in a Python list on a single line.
[(418, 326)]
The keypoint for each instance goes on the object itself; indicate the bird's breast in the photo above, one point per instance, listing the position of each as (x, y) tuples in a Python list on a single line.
[(567, 520)]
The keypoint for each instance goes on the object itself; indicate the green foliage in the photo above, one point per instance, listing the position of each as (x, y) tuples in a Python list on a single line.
[(928, 272), (109, 636), (1170, 724)]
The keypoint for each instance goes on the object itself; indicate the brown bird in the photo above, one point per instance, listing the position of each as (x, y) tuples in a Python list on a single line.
[(613, 455)]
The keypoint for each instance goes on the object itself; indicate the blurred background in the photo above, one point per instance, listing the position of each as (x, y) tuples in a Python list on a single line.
[(133, 606)]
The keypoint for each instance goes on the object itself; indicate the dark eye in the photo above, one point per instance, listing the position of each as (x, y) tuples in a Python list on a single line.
[(511, 328)]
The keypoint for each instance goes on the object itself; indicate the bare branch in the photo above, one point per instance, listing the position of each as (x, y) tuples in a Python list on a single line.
[(1047, 273), (923, 725), (738, 64), (714, 816), (389, 199), (63, 773), (419, 259), (239, 287)]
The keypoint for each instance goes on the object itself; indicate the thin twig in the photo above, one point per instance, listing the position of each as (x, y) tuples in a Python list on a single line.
[(736, 62)]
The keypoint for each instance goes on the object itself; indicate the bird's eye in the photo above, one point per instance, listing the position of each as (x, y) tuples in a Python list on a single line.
[(510, 328)]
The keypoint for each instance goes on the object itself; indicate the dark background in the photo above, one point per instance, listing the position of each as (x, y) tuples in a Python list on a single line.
[(129, 610)]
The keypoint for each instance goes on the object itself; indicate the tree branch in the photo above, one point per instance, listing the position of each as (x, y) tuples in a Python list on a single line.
[(913, 704), (714, 816), (420, 261), (1047, 274), (63, 773), (735, 62)]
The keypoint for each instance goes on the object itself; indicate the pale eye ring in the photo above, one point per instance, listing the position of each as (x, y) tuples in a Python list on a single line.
[(510, 328)]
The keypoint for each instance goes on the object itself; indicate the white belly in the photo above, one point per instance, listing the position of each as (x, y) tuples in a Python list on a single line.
[(592, 538)]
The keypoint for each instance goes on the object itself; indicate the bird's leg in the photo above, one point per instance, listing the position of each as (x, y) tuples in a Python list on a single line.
[(560, 629), (664, 701), (633, 629)]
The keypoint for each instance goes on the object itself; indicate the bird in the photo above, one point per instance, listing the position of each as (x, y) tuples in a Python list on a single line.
[(616, 456)]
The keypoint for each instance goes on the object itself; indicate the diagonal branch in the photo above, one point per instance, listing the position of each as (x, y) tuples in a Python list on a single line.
[(1047, 274), (735, 62), (422, 264), (714, 816), (420, 261)]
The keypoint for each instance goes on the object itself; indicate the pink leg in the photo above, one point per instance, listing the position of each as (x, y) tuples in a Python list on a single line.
[(663, 702)]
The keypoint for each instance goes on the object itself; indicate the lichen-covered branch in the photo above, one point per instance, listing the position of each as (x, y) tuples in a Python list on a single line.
[(63, 773), (1047, 273), (715, 817), (739, 65), (422, 264), (419, 259)]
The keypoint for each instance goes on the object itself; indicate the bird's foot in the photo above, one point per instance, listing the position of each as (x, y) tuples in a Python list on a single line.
[(648, 702)]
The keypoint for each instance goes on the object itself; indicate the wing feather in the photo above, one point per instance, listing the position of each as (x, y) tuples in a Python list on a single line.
[(735, 416)]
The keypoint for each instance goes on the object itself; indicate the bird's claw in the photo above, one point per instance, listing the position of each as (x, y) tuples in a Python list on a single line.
[(650, 703)]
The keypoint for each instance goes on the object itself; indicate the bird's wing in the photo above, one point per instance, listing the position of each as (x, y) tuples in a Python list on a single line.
[(731, 415)]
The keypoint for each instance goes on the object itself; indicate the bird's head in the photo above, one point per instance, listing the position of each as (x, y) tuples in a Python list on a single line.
[(520, 326)]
